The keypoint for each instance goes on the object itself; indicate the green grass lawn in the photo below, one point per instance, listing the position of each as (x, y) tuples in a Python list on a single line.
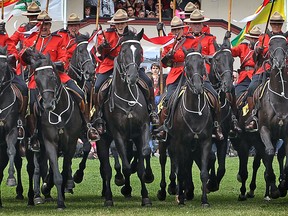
[(87, 200)]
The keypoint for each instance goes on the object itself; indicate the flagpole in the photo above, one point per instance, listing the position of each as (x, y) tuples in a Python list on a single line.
[(2, 5), (97, 13), (267, 22), (47, 6), (64, 14), (160, 65), (174, 8), (229, 15)]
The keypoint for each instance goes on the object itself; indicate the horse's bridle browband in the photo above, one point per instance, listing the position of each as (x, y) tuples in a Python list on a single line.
[(44, 67), (277, 36), (131, 41), (3, 56), (83, 42)]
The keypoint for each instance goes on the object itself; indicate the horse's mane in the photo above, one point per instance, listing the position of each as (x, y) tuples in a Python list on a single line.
[(82, 37)]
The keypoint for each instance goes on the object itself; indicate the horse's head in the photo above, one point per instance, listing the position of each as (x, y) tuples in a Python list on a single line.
[(47, 80), (4, 66), (130, 56), (222, 68), (278, 51), (194, 67), (81, 63)]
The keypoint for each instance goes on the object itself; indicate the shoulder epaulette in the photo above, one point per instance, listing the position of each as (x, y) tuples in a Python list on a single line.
[(55, 34), (208, 34), (62, 30), (110, 30)]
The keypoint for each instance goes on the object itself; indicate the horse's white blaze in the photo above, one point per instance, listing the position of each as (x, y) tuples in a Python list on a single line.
[(133, 49)]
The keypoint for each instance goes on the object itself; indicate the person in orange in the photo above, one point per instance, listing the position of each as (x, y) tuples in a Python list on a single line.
[(109, 49), (245, 52), (208, 48), (51, 44), (276, 23)]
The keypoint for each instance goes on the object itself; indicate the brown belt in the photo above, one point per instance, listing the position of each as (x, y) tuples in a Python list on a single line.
[(178, 64), (247, 68)]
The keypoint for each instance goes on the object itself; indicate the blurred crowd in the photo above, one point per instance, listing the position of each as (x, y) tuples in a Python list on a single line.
[(137, 8)]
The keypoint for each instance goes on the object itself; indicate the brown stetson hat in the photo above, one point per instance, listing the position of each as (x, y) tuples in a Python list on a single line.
[(32, 10), (73, 19), (44, 16), (255, 32), (196, 17), (176, 23), (120, 17), (189, 8), (276, 18)]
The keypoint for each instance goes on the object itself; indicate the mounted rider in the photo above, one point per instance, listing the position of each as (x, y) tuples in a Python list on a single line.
[(208, 48), (109, 49), (51, 44), (260, 54)]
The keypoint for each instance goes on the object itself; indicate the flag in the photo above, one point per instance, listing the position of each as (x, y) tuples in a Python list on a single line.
[(8, 7), (55, 9), (259, 17), (162, 40)]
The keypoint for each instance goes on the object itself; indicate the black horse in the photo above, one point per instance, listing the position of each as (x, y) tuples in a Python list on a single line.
[(221, 79), (59, 123), (273, 111), (8, 119), (127, 119), (191, 133)]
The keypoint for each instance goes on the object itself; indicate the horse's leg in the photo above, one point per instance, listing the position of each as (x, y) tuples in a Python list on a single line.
[(172, 187), (78, 176), (30, 170), (221, 156), (149, 176), (206, 149), (270, 151), (212, 184), (51, 150), (18, 166), (11, 139), (256, 165), (189, 186), (119, 179), (161, 195), (243, 153), (282, 182), (3, 163), (105, 169), (36, 179)]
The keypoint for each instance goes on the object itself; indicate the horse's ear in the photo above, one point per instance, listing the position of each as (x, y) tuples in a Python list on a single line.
[(185, 51), (140, 34), (226, 44), (286, 34)]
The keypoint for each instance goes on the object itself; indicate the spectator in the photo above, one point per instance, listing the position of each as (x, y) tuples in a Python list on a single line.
[(155, 68), (151, 14), (168, 13), (142, 14), (150, 5), (118, 5), (130, 11), (87, 11), (197, 4), (157, 9), (139, 5), (107, 8)]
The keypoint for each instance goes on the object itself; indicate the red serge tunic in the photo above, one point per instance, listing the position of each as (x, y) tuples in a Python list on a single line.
[(179, 57), (11, 49), (245, 53), (52, 45)]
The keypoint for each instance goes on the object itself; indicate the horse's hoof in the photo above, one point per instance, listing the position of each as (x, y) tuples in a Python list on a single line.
[(189, 195), (44, 189), (119, 181), (205, 205), (148, 178), (78, 176), (19, 197), (48, 198), (242, 198), (146, 202), (11, 182), (126, 191), (38, 200), (70, 184), (61, 206), (239, 179), (275, 194), (69, 191), (267, 198), (180, 201), (250, 194), (108, 203), (161, 195), (172, 190)]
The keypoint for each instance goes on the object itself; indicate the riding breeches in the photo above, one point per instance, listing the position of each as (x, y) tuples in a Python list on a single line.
[(242, 87), (144, 77), (21, 85), (255, 82), (72, 85), (101, 78), (32, 98), (171, 89)]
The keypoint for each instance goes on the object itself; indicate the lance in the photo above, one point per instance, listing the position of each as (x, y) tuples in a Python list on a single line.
[(2, 7), (266, 27), (47, 6), (97, 13), (229, 15), (161, 34), (174, 8)]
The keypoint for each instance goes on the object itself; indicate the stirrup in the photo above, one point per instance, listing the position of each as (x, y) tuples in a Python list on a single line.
[(92, 132), (154, 118), (35, 147), (20, 127), (247, 124)]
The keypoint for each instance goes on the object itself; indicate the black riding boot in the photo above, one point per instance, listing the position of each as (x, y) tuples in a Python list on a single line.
[(235, 126), (217, 127), (92, 133), (20, 126), (251, 123), (162, 134), (33, 141), (98, 121), (154, 118)]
